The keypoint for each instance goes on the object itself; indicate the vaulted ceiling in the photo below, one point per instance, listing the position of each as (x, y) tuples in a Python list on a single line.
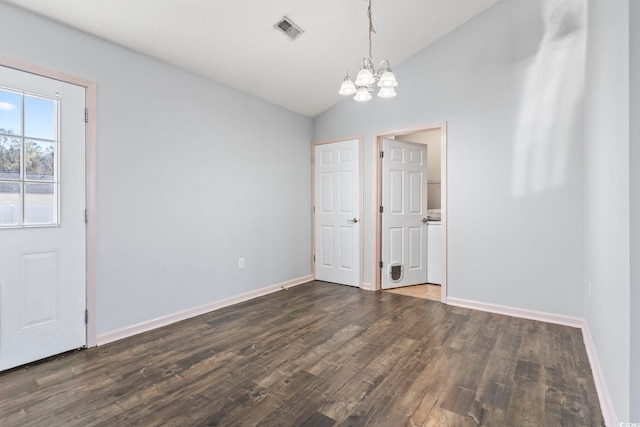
[(234, 42)]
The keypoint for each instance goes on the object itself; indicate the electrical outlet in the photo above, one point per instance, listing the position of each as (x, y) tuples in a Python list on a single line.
[(240, 263)]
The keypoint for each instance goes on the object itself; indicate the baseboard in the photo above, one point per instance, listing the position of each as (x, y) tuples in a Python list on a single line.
[(606, 404), (158, 322), (574, 322), (367, 286)]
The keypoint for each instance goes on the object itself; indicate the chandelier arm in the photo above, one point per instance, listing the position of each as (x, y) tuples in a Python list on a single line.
[(381, 70), (387, 68), (353, 67)]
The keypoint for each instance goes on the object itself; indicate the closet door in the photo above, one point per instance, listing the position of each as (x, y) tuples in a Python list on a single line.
[(337, 212)]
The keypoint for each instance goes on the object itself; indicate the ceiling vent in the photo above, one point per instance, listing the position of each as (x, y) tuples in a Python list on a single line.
[(287, 26)]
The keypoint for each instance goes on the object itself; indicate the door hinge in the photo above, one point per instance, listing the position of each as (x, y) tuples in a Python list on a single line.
[(313, 160), (314, 258), (86, 115), (86, 317), (86, 216), (314, 209), (381, 209), (380, 264), (382, 154)]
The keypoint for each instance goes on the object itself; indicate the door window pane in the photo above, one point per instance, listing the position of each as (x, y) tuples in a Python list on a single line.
[(29, 177), (39, 160), (39, 118), (10, 113), (10, 203), (39, 203), (9, 157)]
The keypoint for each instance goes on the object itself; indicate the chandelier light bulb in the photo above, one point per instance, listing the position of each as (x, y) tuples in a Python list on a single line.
[(362, 95), (387, 92), (347, 87), (387, 79), (365, 78)]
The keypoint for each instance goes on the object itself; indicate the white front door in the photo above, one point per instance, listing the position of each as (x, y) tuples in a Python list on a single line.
[(42, 225), (404, 213), (337, 212)]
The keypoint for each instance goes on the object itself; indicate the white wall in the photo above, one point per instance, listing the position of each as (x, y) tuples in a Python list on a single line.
[(191, 176), (634, 173), (606, 165), (506, 89)]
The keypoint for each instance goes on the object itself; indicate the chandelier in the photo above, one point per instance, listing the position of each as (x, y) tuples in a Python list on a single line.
[(368, 77)]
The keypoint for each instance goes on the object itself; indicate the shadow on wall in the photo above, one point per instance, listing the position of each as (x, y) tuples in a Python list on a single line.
[(551, 100)]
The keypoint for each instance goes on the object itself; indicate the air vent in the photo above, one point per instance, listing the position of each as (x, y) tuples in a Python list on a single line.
[(287, 26)]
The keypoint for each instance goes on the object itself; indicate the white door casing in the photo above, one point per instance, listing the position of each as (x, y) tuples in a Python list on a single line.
[(42, 269), (337, 225), (404, 213)]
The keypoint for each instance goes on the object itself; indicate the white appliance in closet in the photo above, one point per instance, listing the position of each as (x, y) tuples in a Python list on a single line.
[(434, 252)]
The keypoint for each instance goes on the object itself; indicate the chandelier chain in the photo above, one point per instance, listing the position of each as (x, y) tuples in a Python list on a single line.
[(371, 29)]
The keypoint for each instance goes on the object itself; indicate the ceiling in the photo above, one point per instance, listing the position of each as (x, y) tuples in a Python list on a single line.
[(234, 42)]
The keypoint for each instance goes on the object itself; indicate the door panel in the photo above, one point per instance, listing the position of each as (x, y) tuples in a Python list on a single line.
[(326, 247), (404, 201), (42, 228), (346, 247), (40, 280), (326, 190), (416, 251), (346, 192), (337, 205), (416, 189)]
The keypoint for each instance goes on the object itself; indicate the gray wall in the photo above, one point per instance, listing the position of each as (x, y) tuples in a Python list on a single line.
[(510, 91), (634, 172), (607, 257), (191, 176)]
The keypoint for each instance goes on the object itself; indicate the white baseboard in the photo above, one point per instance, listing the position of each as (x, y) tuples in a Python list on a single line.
[(606, 404), (574, 322), (158, 322), (367, 286)]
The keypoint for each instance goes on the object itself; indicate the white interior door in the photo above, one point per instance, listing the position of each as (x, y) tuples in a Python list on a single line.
[(42, 224), (337, 212), (404, 213)]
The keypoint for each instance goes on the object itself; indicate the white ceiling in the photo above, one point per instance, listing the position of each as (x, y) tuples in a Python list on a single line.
[(234, 42)]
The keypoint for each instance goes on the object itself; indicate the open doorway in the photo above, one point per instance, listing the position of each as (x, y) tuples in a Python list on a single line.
[(424, 243)]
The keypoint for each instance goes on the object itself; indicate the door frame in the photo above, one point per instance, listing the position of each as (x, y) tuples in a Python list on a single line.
[(90, 178), (377, 200), (360, 139)]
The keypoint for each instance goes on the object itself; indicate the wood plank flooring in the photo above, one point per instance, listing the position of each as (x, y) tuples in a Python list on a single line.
[(318, 355), (426, 291)]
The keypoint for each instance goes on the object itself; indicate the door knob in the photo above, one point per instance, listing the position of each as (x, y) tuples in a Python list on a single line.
[(353, 221), (424, 220)]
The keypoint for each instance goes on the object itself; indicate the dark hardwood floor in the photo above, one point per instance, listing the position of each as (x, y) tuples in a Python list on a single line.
[(318, 355)]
